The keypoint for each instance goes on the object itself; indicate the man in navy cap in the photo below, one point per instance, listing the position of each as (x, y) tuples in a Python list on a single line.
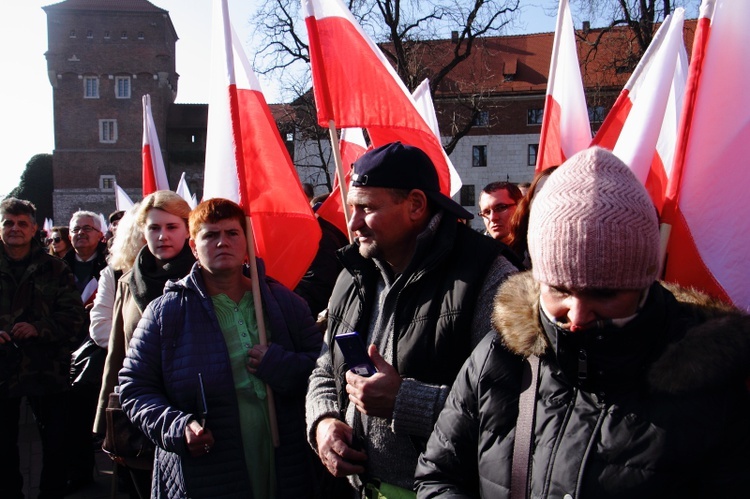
[(417, 286)]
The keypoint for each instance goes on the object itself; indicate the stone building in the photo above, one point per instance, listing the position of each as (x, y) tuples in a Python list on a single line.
[(103, 56)]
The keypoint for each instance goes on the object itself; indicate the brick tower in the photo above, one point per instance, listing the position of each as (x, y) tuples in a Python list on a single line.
[(102, 57)]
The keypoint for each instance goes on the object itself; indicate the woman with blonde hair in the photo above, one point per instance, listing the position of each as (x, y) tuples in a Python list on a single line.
[(163, 219)]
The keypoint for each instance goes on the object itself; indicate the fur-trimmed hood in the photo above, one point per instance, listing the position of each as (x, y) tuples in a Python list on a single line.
[(714, 351)]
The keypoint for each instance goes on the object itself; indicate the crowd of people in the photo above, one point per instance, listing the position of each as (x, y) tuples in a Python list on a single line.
[(542, 358)]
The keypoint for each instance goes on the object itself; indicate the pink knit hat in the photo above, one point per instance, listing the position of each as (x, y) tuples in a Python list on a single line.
[(594, 226)]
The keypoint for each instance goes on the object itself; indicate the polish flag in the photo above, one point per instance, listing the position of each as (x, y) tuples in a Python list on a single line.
[(356, 86), (154, 173), (426, 109), (641, 127), (706, 202), (184, 192), (247, 162), (352, 145), (565, 125)]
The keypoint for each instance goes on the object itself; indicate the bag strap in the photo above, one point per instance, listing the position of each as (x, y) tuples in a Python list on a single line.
[(519, 478)]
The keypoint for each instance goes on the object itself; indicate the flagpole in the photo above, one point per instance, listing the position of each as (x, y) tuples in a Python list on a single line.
[(260, 320), (335, 145)]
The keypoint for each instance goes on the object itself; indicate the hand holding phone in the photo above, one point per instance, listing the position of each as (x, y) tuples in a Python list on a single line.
[(355, 354)]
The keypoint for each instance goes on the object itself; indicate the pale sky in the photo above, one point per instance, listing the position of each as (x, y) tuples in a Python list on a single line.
[(27, 94)]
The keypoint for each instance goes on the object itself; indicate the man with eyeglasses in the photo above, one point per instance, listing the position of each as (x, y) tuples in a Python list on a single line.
[(87, 260), (497, 202), (41, 320)]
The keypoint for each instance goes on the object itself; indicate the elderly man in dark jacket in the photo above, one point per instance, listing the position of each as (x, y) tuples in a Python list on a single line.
[(41, 317), (634, 388), (205, 326)]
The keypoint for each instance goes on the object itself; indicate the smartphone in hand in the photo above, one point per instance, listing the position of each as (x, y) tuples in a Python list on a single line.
[(355, 354)]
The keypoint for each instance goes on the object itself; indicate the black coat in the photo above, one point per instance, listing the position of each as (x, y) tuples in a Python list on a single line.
[(663, 411)]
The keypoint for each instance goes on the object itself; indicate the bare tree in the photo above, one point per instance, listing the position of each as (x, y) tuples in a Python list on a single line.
[(407, 31), (640, 16)]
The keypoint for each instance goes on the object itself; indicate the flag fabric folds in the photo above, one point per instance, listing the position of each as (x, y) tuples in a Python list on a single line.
[(247, 161), (184, 192), (122, 200), (154, 173), (352, 144), (641, 127), (364, 90), (707, 191), (565, 123)]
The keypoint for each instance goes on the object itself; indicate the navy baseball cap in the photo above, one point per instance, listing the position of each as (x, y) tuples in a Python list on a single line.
[(399, 166)]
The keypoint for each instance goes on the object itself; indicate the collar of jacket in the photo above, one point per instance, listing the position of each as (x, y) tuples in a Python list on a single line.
[(707, 342)]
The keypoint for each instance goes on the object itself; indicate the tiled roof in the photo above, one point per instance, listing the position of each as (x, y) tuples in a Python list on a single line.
[(520, 63), (112, 5)]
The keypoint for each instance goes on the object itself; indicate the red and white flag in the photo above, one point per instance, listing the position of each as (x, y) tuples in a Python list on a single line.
[(154, 173), (355, 85), (707, 193), (426, 109), (352, 145), (247, 162), (184, 192), (641, 127), (565, 124)]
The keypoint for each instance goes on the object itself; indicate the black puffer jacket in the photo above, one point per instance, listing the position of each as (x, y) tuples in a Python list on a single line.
[(661, 412)]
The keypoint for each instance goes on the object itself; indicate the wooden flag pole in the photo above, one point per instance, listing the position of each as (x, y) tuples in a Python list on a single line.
[(260, 320), (664, 232), (335, 145)]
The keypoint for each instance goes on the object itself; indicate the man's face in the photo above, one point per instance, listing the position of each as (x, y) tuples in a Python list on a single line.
[(381, 226), (16, 231), (496, 208), (83, 234), (220, 247)]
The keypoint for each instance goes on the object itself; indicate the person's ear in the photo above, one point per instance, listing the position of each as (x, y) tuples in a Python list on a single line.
[(191, 242), (418, 206)]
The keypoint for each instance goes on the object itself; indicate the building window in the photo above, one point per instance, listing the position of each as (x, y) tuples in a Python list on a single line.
[(90, 87), (140, 35), (482, 119), (478, 156), (89, 34), (122, 87), (466, 195), (72, 33), (124, 35), (108, 131), (531, 154), (535, 117), (106, 35), (596, 114), (107, 182)]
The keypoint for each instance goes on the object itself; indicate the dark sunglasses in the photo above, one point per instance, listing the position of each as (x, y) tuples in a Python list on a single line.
[(51, 240)]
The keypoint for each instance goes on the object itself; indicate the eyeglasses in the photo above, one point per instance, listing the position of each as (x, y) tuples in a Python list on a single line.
[(85, 228), (498, 208), (55, 240)]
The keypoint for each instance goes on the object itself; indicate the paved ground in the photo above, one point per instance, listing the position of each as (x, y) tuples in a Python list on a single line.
[(31, 464)]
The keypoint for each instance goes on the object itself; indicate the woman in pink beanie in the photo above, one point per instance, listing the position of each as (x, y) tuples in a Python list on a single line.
[(631, 387)]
